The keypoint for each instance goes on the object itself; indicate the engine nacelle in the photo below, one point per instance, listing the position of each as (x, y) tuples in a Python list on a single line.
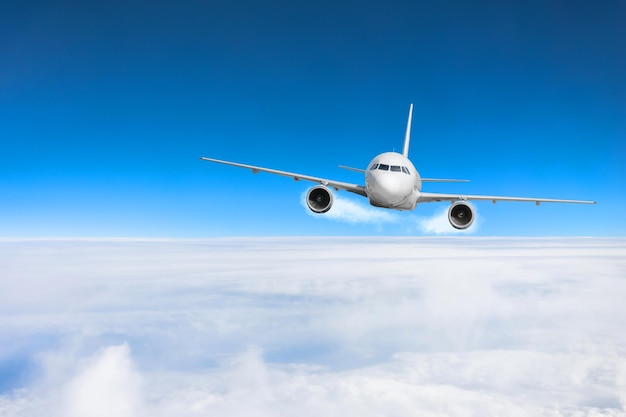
[(461, 215), (319, 199)]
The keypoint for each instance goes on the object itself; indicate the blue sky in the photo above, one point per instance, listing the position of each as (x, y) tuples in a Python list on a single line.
[(105, 109)]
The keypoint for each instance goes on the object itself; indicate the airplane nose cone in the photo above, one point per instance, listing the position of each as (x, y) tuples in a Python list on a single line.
[(387, 190)]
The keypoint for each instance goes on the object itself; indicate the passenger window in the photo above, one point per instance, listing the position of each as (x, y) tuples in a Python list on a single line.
[(383, 167), (395, 168), (374, 167)]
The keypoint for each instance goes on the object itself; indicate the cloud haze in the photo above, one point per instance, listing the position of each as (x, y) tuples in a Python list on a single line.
[(107, 385), (313, 326)]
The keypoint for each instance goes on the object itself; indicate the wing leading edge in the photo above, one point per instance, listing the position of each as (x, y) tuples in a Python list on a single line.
[(430, 197), (338, 185)]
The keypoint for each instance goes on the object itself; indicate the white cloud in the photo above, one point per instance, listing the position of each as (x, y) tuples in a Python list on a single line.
[(107, 385), (341, 326)]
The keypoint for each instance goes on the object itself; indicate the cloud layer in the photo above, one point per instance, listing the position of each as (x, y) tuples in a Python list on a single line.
[(313, 326)]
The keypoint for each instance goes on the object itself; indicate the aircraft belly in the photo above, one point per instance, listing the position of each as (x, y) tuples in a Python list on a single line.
[(404, 205), (407, 203), (388, 192)]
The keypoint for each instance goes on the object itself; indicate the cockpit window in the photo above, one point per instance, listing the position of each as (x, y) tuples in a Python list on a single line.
[(393, 168)]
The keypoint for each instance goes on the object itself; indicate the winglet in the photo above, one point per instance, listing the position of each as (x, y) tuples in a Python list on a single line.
[(407, 136)]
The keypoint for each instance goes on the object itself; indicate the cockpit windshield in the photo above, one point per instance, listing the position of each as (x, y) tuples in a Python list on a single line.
[(392, 168)]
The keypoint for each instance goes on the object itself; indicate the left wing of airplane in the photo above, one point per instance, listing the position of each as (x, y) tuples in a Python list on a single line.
[(337, 185), (430, 197)]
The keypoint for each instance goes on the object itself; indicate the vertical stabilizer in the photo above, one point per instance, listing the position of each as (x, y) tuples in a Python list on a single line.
[(407, 136)]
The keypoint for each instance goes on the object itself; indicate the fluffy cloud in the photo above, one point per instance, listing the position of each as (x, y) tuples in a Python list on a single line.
[(107, 386), (259, 327)]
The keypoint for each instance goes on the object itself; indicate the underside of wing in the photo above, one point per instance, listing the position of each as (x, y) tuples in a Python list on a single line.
[(430, 197), (337, 185)]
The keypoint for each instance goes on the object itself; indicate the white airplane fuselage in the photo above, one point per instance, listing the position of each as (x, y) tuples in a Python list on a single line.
[(391, 181)]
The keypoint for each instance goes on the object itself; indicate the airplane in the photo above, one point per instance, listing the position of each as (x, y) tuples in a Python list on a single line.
[(392, 182)]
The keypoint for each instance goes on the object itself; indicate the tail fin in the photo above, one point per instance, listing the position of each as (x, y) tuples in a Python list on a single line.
[(407, 136)]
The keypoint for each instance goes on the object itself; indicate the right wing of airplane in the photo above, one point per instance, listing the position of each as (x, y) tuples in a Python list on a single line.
[(430, 197), (337, 185)]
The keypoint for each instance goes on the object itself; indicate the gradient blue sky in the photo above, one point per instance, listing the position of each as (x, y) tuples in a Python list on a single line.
[(105, 109)]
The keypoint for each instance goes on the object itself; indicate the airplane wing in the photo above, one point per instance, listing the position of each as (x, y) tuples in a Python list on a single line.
[(429, 197), (337, 185)]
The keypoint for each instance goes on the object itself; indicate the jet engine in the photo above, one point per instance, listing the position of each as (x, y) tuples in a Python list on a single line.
[(461, 215), (319, 199)]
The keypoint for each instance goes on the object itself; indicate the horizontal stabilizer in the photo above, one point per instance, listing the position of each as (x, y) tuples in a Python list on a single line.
[(442, 180), (352, 169)]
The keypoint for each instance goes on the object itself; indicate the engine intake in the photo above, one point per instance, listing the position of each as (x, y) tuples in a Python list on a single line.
[(319, 199), (461, 215)]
